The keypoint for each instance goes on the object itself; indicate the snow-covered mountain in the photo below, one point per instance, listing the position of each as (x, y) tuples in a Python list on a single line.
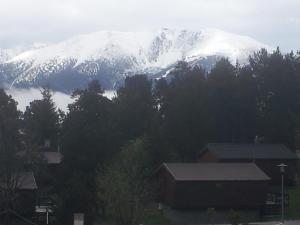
[(111, 55), (7, 54)]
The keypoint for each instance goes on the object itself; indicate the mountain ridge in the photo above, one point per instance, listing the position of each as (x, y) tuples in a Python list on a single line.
[(111, 55)]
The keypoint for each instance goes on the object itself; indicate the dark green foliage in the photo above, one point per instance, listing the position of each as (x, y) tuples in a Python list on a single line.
[(135, 106), (246, 106), (156, 217), (182, 108), (10, 144), (41, 121), (234, 217), (9, 123), (230, 103), (89, 138), (222, 98), (278, 95), (211, 213), (232, 97), (126, 187)]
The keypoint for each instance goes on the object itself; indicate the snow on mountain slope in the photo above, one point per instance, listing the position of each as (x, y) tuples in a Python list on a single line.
[(167, 45), (7, 54), (103, 44), (235, 47), (110, 55)]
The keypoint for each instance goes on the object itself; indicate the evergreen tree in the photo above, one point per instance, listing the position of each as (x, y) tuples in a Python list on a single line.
[(11, 164), (41, 121), (221, 90), (90, 137), (278, 95), (246, 118), (136, 107), (182, 107)]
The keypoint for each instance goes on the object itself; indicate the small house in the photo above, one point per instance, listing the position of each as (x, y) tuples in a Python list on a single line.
[(186, 191), (212, 185), (266, 156), (28, 191), (24, 187)]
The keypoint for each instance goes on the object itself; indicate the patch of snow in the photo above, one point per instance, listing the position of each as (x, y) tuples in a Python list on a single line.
[(235, 47)]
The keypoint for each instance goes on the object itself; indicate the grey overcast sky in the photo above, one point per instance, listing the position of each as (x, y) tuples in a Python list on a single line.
[(274, 22)]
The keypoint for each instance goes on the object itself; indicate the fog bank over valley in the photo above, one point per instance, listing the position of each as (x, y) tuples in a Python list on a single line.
[(62, 100)]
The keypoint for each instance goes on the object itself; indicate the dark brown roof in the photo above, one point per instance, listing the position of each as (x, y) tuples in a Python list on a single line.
[(27, 181), (14, 218), (215, 172), (49, 157), (22, 181), (249, 151)]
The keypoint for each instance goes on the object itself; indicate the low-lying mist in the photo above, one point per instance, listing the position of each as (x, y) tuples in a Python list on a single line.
[(62, 100)]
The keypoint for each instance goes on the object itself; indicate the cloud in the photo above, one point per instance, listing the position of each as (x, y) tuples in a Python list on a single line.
[(30, 21), (61, 100), (25, 96), (294, 20)]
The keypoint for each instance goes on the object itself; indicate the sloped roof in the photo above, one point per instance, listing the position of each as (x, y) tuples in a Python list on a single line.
[(27, 181), (22, 181), (15, 218), (215, 172), (49, 157), (250, 151)]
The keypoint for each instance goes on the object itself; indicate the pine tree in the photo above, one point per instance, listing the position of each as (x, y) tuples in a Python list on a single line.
[(136, 107), (222, 100), (278, 95), (90, 138), (41, 121), (182, 108), (11, 165)]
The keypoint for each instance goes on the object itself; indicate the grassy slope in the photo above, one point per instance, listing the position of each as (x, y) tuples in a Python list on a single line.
[(294, 207), (155, 218)]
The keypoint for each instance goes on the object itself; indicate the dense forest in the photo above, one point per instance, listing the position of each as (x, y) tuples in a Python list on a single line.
[(111, 147)]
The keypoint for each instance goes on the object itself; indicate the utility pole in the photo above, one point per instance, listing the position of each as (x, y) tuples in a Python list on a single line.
[(47, 215), (282, 170)]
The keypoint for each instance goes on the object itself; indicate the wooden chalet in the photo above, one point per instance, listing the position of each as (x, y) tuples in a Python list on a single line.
[(25, 188), (212, 185), (50, 162), (11, 217), (266, 156)]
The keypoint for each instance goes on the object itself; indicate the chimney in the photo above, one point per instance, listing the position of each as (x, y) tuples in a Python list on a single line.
[(256, 140), (47, 143)]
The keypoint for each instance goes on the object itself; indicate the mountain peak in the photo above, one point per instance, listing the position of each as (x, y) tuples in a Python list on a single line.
[(113, 54), (107, 44)]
